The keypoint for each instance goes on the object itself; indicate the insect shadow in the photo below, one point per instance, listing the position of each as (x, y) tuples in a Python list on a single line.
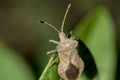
[(90, 69)]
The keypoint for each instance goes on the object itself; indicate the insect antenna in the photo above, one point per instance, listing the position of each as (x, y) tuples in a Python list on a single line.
[(64, 18), (44, 22)]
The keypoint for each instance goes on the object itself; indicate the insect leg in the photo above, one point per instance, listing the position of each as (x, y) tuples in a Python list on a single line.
[(52, 51), (53, 41), (53, 61)]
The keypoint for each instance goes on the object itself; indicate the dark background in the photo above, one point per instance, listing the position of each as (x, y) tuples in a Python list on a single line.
[(19, 27)]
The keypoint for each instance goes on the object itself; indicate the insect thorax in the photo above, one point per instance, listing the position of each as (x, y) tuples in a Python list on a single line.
[(67, 45)]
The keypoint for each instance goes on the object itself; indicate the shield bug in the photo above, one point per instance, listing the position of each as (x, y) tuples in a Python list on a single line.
[(71, 65)]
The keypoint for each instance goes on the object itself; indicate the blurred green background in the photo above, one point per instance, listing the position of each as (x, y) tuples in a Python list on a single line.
[(24, 41)]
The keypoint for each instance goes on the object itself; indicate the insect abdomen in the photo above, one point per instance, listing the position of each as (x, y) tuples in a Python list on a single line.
[(72, 72)]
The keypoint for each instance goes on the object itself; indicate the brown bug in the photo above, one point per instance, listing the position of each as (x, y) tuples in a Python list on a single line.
[(71, 65)]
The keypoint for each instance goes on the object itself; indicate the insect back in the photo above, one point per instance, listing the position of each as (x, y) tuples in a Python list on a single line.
[(76, 66)]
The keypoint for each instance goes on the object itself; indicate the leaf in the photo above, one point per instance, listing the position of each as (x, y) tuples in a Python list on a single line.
[(50, 72), (12, 67), (97, 32)]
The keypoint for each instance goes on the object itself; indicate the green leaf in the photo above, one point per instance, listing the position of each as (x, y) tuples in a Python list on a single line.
[(12, 67), (50, 72), (97, 32)]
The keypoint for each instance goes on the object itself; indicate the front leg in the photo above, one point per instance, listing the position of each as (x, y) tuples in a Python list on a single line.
[(52, 51), (53, 41)]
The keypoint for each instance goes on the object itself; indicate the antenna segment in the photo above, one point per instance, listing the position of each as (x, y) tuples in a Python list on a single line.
[(63, 22), (64, 18), (50, 26)]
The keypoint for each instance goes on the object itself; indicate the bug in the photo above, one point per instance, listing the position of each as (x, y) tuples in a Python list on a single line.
[(71, 65)]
